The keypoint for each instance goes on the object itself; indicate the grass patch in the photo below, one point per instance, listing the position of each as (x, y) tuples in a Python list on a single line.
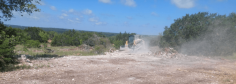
[(39, 66), (59, 51), (12, 67)]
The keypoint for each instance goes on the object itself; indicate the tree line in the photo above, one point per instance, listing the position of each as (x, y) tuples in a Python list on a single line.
[(202, 34), (120, 39), (33, 37)]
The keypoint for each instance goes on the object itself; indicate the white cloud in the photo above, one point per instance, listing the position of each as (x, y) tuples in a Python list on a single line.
[(53, 8), (71, 10), (96, 21), (79, 14), (35, 15), (63, 15), (87, 12), (100, 23), (184, 3), (93, 19), (105, 1), (73, 21), (77, 18), (154, 14), (70, 20), (130, 3)]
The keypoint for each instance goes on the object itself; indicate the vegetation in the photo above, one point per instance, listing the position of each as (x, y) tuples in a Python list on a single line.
[(197, 34), (76, 38), (8, 36), (120, 39), (32, 44), (8, 6), (8, 40), (202, 34), (60, 30)]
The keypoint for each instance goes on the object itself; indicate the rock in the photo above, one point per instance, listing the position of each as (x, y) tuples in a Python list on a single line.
[(111, 50), (106, 53), (27, 60), (23, 57), (19, 65), (30, 64)]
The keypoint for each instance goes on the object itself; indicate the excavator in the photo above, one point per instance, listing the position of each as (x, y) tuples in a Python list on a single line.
[(134, 43)]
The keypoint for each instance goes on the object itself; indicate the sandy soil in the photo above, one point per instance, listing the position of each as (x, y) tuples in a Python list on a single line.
[(126, 68)]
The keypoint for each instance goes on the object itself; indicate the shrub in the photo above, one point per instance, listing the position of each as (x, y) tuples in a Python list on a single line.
[(32, 44), (99, 49), (117, 44), (8, 40)]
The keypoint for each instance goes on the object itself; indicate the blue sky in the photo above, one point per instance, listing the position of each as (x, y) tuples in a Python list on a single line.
[(147, 17)]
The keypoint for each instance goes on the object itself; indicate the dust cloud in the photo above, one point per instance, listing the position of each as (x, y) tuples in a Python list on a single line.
[(218, 40)]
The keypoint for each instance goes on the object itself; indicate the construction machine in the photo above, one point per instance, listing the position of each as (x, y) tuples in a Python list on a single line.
[(134, 43)]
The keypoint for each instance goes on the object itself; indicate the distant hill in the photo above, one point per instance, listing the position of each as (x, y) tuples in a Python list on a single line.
[(61, 30)]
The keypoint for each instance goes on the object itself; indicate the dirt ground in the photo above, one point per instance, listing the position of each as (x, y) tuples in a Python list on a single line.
[(126, 68)]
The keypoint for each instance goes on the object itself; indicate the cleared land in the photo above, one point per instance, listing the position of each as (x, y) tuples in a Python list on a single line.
[(125, 68)]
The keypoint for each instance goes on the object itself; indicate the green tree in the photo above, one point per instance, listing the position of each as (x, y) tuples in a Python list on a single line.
[(202, 33), (117, 44), (51, 34), (23, 37), (8, 36), (33, 32), (7, 6), (8, 39), (44, 36), (32, 44)]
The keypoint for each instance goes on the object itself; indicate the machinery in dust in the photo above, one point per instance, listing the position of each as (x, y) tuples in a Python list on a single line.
[(135, 43)]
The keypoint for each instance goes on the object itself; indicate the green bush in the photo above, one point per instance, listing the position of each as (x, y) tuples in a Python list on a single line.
[(117, 44), (99, 49), (8, 40), (32, 44)]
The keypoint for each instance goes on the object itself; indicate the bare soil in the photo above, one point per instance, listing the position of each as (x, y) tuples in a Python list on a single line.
[(126, 68)]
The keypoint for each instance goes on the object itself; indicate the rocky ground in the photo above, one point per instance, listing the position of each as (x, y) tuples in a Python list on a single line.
[(125, 68)]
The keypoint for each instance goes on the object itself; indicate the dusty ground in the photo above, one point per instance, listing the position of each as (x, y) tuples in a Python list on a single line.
[(126, 68)]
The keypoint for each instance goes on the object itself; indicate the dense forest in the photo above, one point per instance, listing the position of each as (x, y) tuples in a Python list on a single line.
[(202, 34)]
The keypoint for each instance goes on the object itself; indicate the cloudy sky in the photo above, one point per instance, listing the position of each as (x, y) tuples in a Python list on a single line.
[(147, 17)]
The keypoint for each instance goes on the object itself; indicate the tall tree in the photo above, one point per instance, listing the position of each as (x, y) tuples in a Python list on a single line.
[(8, 36), (8, 6), (202, 33)]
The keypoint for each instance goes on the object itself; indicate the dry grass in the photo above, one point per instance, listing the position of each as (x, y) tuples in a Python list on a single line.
[(60, 51)]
